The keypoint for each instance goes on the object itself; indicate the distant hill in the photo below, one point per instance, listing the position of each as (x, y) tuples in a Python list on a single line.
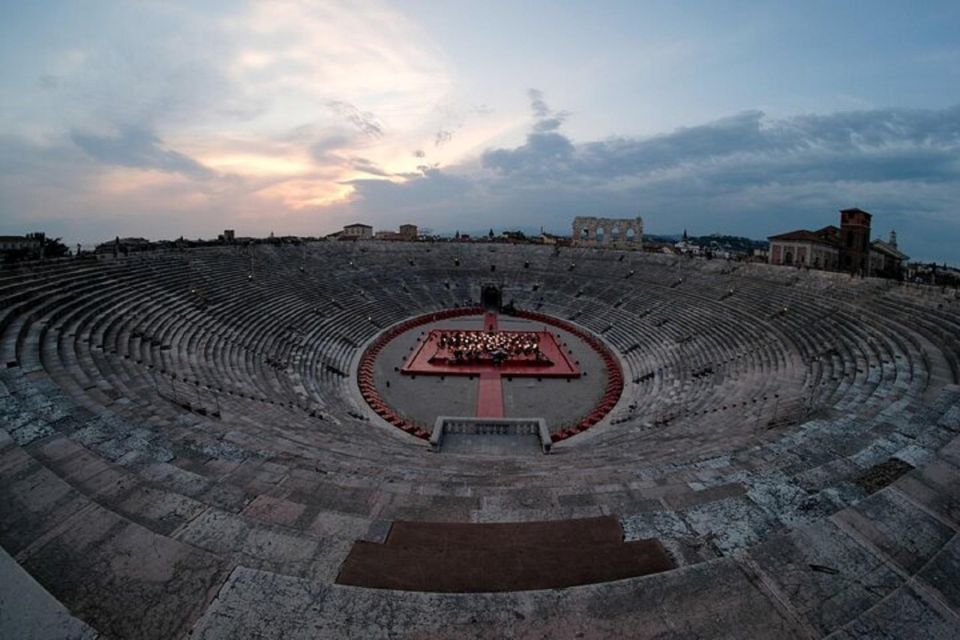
[(652, 237), (729, 243), (530, 232)]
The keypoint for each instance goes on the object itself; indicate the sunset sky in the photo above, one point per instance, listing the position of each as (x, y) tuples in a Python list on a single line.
[(163, 118)]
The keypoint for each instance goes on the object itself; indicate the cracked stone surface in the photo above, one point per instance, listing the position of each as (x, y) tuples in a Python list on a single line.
[(825, 574), (264, 605), (904, 615), (28, 611)]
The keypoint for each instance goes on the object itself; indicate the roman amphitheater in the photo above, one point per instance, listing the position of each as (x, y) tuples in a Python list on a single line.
[(251, 442)]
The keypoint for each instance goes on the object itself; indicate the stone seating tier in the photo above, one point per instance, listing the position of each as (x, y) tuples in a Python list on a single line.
[(741, 452)]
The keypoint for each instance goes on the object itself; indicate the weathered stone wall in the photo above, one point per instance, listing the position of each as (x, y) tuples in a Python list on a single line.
[(616, 233)]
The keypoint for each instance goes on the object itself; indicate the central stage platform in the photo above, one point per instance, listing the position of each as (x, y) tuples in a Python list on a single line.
[(432, 357)]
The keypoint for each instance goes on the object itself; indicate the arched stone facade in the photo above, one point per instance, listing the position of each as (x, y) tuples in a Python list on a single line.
[(616, 233)]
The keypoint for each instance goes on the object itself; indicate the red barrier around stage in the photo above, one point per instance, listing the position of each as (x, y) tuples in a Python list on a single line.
[(614, 375), (369, 392)]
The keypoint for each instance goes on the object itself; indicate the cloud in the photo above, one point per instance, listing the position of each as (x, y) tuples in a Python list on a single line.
[(194, 97), (545, 118), (194, 92), (543, 155), (226, 84), (428, 197), (863, 146), (48, 81), (366, 166), (322, 150), (538, 104), (546, 152), (548, 124), (365, 122), (746, 174), (135, 147)]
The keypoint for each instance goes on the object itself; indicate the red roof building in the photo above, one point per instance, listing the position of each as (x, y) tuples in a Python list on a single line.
[(847, 248), (815, 249)]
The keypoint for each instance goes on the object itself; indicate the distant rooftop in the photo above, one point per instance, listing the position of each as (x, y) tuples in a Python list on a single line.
[(828, 235)]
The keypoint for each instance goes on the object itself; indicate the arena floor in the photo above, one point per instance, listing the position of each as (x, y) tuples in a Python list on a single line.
[(561, 401), (186, 450)]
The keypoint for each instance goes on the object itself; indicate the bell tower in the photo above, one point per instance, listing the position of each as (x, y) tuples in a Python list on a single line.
[(855, 241)]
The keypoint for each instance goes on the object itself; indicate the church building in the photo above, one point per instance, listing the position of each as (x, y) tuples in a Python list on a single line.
[(847, 248)]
